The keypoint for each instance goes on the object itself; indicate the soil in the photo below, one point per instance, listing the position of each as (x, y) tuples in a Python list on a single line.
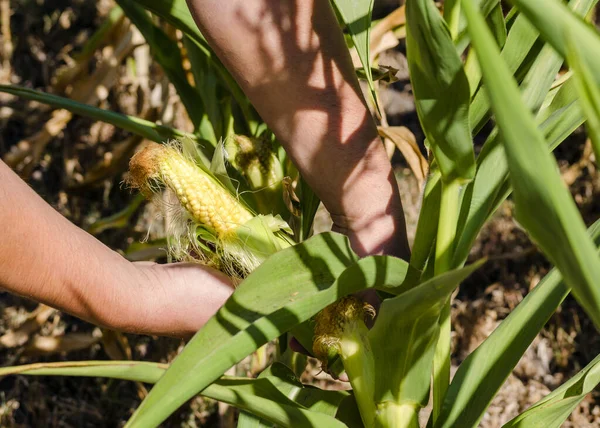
[(45, 35)]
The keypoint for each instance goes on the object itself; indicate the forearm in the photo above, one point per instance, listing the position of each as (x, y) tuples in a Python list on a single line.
[(46, 258), (294, 66)]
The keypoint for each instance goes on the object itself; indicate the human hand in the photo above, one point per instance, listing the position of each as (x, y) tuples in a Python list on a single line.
[(173, 300)]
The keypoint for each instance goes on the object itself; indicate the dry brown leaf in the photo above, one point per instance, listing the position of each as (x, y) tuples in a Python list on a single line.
[(291, 200), (406, 142), (26, 154), (6, 48), (89, 90), (44, 345), (382, 35), (116, 345), (20, 335)]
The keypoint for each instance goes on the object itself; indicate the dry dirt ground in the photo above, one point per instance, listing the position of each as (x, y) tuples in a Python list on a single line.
[(77, 165)]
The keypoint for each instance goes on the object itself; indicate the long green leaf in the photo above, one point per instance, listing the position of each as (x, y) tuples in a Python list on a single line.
[(284, 379), (515, 52), (589, 93), (356, 15), (144, 128), (538, 189), (441, 89), (486, 7), (558, 25), (484, 371), (519, 52), (211, 88), (491, 186), (286, 290), (260, 396), (428, 222), (404, 336), (552, 410)]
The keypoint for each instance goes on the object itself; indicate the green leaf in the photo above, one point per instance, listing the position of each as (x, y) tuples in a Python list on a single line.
[(312, 398), (404, 336), (589, 94), (516, 52), (484, 371), (441, 89), (558, 25), (144, 128), (309, 204), (538, 188), (428, 222), (486, 7), (260, 396), (519, 51), (263, 399), (552, 410), (491, 186), (356, 15), (495, 21), (166, 52), (138, 371), (118, 220), (286, 290)]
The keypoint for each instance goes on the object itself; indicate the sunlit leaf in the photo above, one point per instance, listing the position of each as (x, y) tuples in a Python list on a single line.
[(441, 90), (286, 290), (483, 372), (543, 204)]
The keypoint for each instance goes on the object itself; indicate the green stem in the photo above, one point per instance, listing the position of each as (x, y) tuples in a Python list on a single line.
[(452, 16), (357, 356), (449, 210), (394, 415), (446, 233)]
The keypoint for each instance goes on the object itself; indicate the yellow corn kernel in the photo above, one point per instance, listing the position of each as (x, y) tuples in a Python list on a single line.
[(207, 202)]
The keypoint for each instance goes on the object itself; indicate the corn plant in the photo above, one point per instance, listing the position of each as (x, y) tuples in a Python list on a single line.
[(305, 286)]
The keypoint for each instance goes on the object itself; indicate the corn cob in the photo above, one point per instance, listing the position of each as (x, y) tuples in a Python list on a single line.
[(240, 241), (206, 201)]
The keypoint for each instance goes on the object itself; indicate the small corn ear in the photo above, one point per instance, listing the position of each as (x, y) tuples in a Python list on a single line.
[(340, 330), (255, 159)]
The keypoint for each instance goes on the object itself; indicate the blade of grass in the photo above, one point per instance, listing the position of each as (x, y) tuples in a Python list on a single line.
[(491, 186), (519, 52), (558, 25), (144, 128)]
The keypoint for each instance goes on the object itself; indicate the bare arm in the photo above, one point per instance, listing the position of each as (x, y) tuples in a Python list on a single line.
[(45, 257), (291, 60)]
